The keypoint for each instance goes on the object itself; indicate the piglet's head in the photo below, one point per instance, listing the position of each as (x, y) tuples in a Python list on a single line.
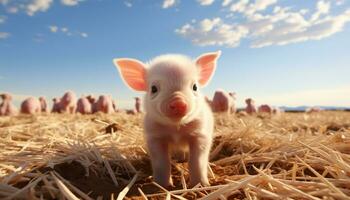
[(172, 84)]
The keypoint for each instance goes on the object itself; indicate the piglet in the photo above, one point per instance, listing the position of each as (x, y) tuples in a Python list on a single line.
[(6, 107), (177, 114), (83, 106), (43, 104), (104, 104), (56, 108), (250, 108), (31, 106), (68, 102)]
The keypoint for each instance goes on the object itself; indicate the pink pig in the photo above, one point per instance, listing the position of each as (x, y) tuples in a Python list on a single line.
[(138, 105), (6, 107), (56, 108), (83, 106), (31, 106), (177, 115), (265, 109), (222, 102), (68, 102), (250, 109), (104, 104), (43, 104)]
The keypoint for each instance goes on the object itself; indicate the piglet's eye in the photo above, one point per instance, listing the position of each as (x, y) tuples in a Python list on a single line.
[(154, 89), (194, 87)]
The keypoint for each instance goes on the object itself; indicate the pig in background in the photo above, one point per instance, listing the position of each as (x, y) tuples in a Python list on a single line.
[(68, 102), (31, 106), (56, 108), (43, 105), (6, 107), (223, 102), (250, 108), (177, 114), (104, 104), (265, 109), (138, 106), (84, 106)]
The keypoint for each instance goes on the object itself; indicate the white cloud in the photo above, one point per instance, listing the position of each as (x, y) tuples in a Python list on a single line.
[(213, 32), (243, 6), (84, 35), (226, 2), (339, 2), (70, 2), (4, 35), (66, 31), (261, 27), (38, 5), (128, 4), (53, 29), (205, 2), (2, 19), (169, 3), (323, 7), (300, 30)]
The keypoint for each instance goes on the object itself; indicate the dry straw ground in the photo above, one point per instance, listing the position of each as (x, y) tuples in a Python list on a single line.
[(293, 156)]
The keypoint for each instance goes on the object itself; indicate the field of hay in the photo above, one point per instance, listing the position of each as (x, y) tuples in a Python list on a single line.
[(292, 156)]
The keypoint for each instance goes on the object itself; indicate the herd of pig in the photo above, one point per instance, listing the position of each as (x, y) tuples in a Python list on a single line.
[(68, 103), (222, 102)]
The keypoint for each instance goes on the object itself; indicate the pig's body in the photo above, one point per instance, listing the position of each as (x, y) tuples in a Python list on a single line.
[(194, 135), (31, 106), (177, 114), (43, 105), (250, 109), (6, 107), (68, 102), (56, 108), (104, 104), (222, 102), (83, 106), (265, 109)]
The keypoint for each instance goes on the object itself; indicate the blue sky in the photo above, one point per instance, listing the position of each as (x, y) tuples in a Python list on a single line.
[(280, 52)]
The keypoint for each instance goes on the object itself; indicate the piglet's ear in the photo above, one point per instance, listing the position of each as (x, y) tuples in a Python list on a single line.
[(133, 73), (206, 64)]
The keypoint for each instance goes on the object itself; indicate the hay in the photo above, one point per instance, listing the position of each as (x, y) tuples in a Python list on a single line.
[(291, 156)]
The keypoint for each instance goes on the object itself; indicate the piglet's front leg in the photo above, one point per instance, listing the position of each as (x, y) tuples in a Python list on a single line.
[(160, 159), (198, 162)]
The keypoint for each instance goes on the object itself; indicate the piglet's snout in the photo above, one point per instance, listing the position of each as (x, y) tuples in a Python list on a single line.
[(176, 108)]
